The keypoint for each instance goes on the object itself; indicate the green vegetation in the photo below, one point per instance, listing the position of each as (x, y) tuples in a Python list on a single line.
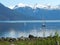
[(31, 40)]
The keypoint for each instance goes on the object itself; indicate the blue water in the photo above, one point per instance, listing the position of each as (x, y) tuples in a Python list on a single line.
[(24, 28)]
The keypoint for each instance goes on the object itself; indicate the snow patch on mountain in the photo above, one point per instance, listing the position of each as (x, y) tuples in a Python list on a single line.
[(44, 6), (11, 7), (22, 5)]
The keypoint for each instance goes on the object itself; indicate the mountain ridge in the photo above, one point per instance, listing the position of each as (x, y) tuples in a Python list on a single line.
[(44, 6)]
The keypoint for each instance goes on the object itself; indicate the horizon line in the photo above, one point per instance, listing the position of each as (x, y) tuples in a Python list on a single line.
[(29, 21)]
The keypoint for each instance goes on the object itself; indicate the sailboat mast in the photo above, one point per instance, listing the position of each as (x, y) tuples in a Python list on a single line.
[(43, 26)]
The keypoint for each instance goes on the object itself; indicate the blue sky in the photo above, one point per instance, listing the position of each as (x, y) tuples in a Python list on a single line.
[(15, 2)]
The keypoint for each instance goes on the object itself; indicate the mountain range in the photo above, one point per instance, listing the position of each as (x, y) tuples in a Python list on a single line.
[(47, 12), (25, 12)]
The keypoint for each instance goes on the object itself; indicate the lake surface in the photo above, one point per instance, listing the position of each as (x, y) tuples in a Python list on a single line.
[(24, 28)]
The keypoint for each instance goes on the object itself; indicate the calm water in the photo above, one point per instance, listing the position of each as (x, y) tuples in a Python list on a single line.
[(24, 28)]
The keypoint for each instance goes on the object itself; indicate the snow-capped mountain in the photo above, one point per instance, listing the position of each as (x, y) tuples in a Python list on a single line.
[(44, 6), (9, 14), (22, 5), (48, 12)]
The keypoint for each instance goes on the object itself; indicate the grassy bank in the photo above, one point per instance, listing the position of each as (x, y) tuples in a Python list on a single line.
[(31, 40)]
